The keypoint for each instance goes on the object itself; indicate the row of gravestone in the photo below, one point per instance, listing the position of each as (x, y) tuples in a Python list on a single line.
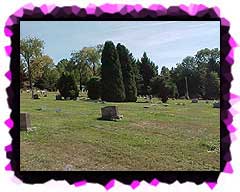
[(36, 96), (59, 97), (216, 104), (108, 113)]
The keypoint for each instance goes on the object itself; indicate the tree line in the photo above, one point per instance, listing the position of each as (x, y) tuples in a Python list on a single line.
[(112, 73)]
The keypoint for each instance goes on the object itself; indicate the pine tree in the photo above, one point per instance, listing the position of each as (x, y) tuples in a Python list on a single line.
[(139, 78), (111, 74), (148, 70), (127, 73)]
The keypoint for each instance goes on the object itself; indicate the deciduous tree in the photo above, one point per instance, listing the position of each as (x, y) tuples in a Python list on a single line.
[(31, 48)]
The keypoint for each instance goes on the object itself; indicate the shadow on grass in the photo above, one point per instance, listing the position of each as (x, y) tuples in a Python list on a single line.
[(142, 102), (103, 119)]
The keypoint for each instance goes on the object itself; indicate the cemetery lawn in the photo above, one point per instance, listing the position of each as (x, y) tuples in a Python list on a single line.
[(173, 137)]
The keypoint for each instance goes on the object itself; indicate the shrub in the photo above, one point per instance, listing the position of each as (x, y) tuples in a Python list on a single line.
[(94, 88), (67, 86)]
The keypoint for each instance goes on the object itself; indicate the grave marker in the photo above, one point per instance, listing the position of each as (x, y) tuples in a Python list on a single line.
[(25, 123), (58, 97), (194, 100), (216, 104), (58, 110), (35, 96), (110, 113)]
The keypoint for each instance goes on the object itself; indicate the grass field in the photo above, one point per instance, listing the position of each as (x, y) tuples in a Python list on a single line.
[(161, 138)]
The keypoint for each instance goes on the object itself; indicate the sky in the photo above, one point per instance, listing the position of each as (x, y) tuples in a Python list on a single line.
[(165, 42)]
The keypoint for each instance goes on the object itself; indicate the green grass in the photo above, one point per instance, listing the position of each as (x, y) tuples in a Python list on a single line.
[(161, 138)]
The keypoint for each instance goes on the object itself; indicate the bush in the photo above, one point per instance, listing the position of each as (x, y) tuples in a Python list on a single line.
[(67, 86), (94, 88)]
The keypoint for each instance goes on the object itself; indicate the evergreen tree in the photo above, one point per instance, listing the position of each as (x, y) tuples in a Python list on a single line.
[(148, 70), (67, 86), (94, 88), (112, 80), (127, 73), (139, 79)]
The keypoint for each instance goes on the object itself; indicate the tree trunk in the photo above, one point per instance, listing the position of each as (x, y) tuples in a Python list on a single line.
[(94, 69), (30, 77), (80, 81), (187, 93)]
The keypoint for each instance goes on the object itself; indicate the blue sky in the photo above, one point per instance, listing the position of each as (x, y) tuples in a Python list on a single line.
[(165, 42)]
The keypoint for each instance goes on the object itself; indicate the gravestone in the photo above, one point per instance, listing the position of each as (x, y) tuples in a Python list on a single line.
[(150, 98), (42, 108), (194, 100), (110, 113), (76, 98), (58, 97), (25, 123), (58, 110), (216, 105), (35, 96), (68, 98), (68, 168)]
